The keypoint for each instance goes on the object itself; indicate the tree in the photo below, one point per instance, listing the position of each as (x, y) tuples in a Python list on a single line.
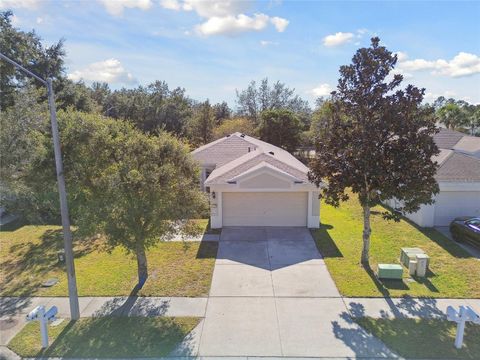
[(23, 127), (452, 116), (281, 128), (152, 109), (254, 100), (221, 112), (472, 114), (202, 124), (134, 188), (375, 140), (236, 124), (26, 48)]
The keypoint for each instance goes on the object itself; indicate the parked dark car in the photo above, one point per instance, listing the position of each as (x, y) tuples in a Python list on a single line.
[(466, 229)]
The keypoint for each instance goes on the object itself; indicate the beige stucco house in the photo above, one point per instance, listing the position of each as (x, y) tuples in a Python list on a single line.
[(458, 178), (253, 183)]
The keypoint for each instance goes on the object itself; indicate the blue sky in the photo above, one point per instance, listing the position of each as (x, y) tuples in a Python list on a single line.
[(212, 48)]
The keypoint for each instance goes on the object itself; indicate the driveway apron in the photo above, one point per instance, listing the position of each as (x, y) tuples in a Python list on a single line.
[(272, 295)]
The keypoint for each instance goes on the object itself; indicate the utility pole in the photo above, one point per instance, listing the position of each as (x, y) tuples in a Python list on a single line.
[(67, 233)]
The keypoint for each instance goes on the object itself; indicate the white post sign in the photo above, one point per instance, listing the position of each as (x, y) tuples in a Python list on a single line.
[(465, 313), (43, 317)]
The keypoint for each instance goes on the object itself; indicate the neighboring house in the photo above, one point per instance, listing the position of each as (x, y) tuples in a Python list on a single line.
[(253, 183), (458, 177)]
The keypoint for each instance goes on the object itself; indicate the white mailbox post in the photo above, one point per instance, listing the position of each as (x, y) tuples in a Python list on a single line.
[(465, 313), (43, 317)]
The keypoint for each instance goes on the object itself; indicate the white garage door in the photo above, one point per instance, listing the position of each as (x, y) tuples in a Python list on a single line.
[(265, 209), (452, 204)]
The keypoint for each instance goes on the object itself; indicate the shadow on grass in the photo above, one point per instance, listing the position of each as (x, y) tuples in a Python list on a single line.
[(426, 281), (437, 237), (119, 337), (13, 225), (325, 244), (360, 341), (423, 338), (207, 250), (28, 264)]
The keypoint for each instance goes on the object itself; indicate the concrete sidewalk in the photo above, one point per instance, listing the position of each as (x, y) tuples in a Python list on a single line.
[(13, 309)]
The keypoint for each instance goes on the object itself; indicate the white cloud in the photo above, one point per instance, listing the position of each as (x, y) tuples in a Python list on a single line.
[(279, 23), (230, 25), (39, 20), (216, 8), (15, 20), (401, 56), (462, 64), (16, 4), (116, 7), (430, 97), (110, 71), (170, 4), (338, 38), (225, 17), (321, 90)]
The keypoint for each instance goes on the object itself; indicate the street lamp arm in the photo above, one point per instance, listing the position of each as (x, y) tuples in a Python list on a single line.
[(23, 69)]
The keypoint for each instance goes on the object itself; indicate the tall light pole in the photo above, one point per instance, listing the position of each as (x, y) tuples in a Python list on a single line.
[(67, 233)]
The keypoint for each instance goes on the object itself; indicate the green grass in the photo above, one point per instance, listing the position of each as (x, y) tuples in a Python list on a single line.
[(28, 257), (425, 338), (112, 337), (453, 272)]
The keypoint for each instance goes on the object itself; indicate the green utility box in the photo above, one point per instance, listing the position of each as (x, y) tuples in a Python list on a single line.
[(390, 271)]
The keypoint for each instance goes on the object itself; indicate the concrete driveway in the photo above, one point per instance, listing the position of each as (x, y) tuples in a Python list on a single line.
[(272, 295)]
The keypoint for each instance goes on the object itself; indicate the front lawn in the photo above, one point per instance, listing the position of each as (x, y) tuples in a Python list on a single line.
[(28, 257), (105, 337), (425, 338), (453, 272)]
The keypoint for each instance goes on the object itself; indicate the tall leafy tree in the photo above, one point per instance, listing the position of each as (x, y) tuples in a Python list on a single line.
[(281, 128), (254, 100), (22, 130), (236, 124), (221, 112), (27, 49), (202, 124), (152, 109), (375, 140), (134, 188), (453, 116)]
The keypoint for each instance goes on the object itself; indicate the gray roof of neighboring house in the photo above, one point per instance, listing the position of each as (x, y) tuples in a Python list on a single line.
[(455, 166), (234, 154), (446, 139), (468, 144), (458, 159)]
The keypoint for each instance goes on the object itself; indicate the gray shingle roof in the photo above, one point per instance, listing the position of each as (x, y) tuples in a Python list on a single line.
[(223, 150), (220, 176), (459, 167), (237, 153), (446, 139)]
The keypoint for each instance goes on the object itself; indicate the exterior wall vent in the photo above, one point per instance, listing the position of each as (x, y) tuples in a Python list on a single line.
[(242, 135), (228, 135), (271, 153), (231, 182), (298, 182)]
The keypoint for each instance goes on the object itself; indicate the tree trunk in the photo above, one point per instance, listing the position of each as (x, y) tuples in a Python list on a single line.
[(141, 265), (366, 235)]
